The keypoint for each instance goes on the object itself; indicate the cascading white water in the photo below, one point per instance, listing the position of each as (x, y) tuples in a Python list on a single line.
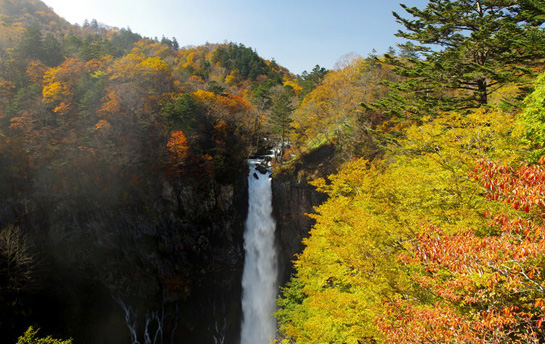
[(259, 278)]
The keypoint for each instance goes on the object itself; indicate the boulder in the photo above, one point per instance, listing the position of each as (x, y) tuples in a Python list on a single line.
[(261, 169)]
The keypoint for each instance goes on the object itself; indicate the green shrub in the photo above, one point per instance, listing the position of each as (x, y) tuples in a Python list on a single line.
[(30, 337)]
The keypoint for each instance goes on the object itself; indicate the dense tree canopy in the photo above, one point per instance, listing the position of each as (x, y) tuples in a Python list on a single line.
[(100, 128), (310, 80), (439, 240), (350, 265), (331, 112), (433, 226), (469, 50)]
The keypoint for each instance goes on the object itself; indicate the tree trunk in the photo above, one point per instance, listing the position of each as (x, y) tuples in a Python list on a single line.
[(482, 91)]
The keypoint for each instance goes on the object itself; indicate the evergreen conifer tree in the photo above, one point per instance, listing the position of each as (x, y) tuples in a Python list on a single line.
[(281, 118), (462, 51)]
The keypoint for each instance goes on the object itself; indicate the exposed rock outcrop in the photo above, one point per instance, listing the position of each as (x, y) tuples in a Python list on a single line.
[(293, 199), (261, 169), (176, 261)]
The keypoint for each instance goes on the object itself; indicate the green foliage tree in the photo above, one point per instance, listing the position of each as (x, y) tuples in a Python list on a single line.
[(181, 112), (532, 121), (52, 51), (125, 39), (309, 81), (31, 44), (281, 118), (470, 49), (31, 337), (237, 57), (215, 87), (34, 46), (261, 97)]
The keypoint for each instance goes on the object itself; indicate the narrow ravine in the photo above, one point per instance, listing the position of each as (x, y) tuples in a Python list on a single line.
[(259, 279)]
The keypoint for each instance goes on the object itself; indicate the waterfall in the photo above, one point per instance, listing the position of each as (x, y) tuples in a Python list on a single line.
[(153, 326), (259, 278)]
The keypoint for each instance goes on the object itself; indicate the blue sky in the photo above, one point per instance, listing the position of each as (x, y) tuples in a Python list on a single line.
[(298, 34)]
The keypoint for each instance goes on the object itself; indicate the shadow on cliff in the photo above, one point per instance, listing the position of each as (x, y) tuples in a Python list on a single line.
[(293, 198)]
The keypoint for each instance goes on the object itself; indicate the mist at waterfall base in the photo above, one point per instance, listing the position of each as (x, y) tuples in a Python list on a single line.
[(260, 275)]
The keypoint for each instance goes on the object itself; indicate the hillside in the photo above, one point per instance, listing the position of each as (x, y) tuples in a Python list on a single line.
[(432, 231), (407, 187), (15, 15), (123, 177)]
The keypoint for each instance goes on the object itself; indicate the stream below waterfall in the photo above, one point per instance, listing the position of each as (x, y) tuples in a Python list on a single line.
[(260, 275)]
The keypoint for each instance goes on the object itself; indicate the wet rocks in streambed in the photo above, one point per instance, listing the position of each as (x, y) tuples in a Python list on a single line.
[(261, 169)]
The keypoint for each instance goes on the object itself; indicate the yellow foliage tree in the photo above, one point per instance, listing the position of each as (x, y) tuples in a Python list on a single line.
[(60, 84), (332, 111), (291, 82), (350, 264)]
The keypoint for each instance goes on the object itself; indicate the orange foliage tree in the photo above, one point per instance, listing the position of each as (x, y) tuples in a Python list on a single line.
[(35, 71), (483, 285), (227, 106), (233, 110), (178, 147)]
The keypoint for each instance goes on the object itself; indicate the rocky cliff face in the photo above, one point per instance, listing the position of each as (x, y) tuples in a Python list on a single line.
[(292, 200), (161, 259), (169, 268)]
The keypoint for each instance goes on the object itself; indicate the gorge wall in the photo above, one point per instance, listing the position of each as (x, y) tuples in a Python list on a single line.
[(163, 259), (167, 266), (293, 198)]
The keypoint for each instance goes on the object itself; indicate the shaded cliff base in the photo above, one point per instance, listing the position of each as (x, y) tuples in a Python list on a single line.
[(294, 198)]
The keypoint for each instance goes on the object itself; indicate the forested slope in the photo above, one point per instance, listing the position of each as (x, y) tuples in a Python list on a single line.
[(123, 178), (433, 230), (123, 181)]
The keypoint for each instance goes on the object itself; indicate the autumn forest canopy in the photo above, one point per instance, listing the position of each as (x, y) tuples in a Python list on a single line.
[(431, 156)]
